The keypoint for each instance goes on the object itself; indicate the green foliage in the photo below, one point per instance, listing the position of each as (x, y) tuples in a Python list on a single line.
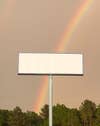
[(65, 117), (87, 112), (74, 118), (97, 117), (87, 115), (60, 114), (44, 115), (31, 119), (16, 117), (44, 112), (4, 114)]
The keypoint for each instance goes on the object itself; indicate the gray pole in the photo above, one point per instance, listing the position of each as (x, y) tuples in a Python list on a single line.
[(50, 99)]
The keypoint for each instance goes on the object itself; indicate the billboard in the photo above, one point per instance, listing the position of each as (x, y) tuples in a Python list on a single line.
[(50, 63)]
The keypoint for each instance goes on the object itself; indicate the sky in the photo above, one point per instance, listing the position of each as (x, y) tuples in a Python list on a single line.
[(38, 26)]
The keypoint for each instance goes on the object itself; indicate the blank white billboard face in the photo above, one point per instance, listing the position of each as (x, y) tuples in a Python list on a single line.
[(42, 63)]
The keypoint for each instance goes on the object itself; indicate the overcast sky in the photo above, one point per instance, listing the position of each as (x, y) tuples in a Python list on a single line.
[(37, 26)]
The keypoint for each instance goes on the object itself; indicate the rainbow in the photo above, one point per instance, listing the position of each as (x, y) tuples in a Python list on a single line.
[(41, 95), (69, 30), (74, 22)]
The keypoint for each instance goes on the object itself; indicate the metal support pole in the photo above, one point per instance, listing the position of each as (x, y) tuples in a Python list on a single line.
[(50, 99)]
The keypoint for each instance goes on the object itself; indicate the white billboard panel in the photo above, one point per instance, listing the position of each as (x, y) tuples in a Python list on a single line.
[(44, 63)]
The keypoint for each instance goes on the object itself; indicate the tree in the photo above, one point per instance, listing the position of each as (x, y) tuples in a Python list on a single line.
[(97, 116), (32, 119), (60, 115), (87, 112), (4, 114), (45, 112), (74, 118), (16, 117), (45, 115), (87, 115)]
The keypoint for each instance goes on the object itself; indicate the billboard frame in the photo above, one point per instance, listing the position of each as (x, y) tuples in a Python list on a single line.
[(54, 74), (51, 83)]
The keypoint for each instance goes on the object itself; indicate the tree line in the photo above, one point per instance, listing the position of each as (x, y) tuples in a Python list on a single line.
[(88, 114)]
